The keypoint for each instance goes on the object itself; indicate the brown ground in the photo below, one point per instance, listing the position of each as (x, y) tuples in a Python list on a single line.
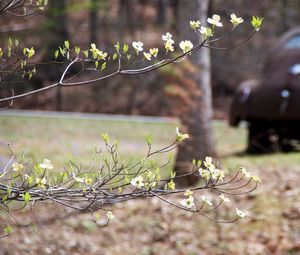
[(152, 227)]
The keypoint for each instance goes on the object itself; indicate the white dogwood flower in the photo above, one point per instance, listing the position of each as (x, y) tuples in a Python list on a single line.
[(138, 46), (224, 199), (181, 136), (206, 32), (188, 202), (147, 55), (205, 200), (96, 53), (186, 46), (78, 179), (41, 182), (255, 178), (110, 215), (235, 20), (167, 37), (138, 182), (209, 164), (169, 45), (240, 213), (215, 21), (206, 174), (46, 164), (154, 52), (188, 193), (195, 24), (17, 167), (245, 172)]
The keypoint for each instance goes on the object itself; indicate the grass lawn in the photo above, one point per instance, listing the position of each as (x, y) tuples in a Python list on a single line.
[(59, 139), (150, 227)]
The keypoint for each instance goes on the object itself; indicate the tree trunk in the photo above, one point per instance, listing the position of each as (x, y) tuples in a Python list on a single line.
[(94, 21), (197, 118), (161, 12), (175, 11), (127, 19), (284, 14), (58, 34)]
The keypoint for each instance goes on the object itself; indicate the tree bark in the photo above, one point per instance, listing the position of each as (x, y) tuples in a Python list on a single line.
[(94, 21), (284, 14), (127, 19), (161, 12), (197, 118), (59, 33)]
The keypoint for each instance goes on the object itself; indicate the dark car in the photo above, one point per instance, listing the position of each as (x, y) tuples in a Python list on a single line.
[(271, 105)]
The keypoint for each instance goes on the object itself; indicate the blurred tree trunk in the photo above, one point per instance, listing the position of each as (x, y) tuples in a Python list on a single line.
[(94, 21), (175, 11), (127, 19), (94, 38), (197, 119), (161, 11), (58, 34), (284, 15)]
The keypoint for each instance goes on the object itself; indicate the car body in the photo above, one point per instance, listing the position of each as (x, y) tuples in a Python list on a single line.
[(271, 105)]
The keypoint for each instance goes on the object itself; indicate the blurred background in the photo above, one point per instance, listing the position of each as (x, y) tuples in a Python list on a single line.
[(148, 227), (106, 22)]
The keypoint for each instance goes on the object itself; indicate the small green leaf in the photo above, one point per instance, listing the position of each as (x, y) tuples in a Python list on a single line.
[(16, 42), (23, 63), (117, 46), (56, 54), (26, 197), (149, 139), (103, 66), (10, 42), (199, 163), (86, 53), (171, 185), (256, 23), (105, 137), (125, 48), (9, 190), (77, 50), (67, 44), (7, 230), (61, 50), (9, 52), (173, 174), (115, 56), (170, 156), (30, 179), (29, 52), (96, 64)]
